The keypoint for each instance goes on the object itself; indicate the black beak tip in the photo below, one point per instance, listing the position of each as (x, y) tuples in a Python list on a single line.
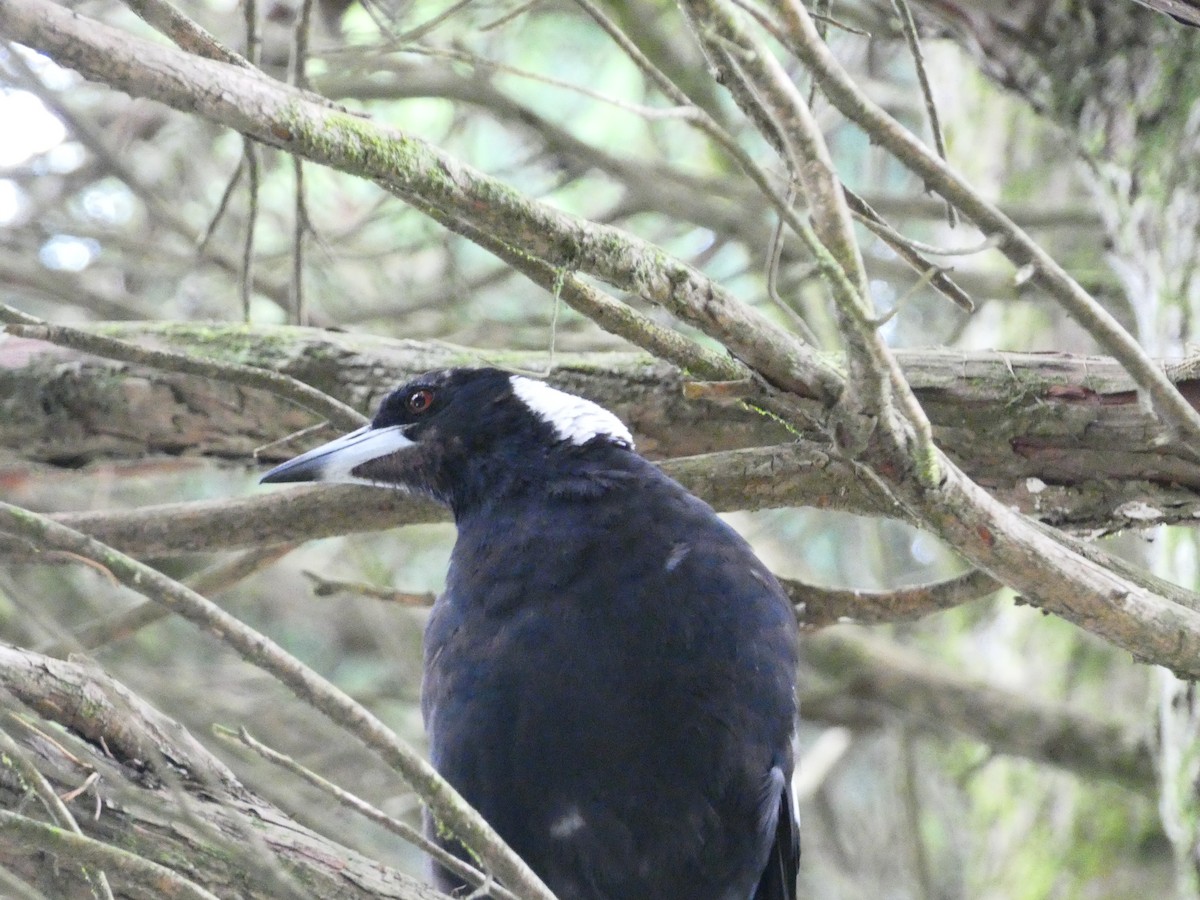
[(287, 474)]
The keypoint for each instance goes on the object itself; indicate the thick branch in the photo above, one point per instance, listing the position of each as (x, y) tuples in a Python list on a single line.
[(871, 682), (413, 170), (1013, 241), (258, 650), (766, 477), (1062, 438), (145, 800)]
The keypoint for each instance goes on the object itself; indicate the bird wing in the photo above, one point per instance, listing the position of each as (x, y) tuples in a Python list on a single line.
[(778, 880)]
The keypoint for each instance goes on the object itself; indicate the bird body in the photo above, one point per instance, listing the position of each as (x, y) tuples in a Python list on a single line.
[(609, 673)]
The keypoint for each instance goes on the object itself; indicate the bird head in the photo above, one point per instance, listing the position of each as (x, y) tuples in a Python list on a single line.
[(447, 433)]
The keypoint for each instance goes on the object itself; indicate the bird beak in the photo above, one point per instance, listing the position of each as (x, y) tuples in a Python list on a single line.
[(337, 460)]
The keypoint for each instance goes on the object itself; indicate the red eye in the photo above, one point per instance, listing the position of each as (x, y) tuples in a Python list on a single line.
[(419, 401)]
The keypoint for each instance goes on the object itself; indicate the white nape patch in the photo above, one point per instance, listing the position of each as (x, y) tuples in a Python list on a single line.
[(567, 825), (573, 418)]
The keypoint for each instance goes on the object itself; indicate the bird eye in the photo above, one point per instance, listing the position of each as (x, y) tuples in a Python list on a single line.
[(419, 401)]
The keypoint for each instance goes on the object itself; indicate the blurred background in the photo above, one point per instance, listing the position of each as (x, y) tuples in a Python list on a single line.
[(114, 209)]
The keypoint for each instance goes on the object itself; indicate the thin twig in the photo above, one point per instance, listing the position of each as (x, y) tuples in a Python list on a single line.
[(250, 154), (818, 607), (187, 34), (509, 16), (651, 113), (245, 283), (301, 224), (258, 650), (909, 26), (1018, 246), (287, 439), (325, 587), (222, 206), (55, 806), (468, 873), (419, 31), (774, 254), (923, 282), (216, 579), (884, 230), (908, 250)]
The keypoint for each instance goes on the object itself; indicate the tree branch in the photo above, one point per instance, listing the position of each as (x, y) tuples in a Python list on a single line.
[(101, 727), (817, 607), (871, 681), (413, 170), (258, 650), (339, 414), (1062, 438), (1011, 239)]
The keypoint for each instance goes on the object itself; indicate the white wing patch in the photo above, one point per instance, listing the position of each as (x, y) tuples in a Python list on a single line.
[(566, 826), (573, 418)]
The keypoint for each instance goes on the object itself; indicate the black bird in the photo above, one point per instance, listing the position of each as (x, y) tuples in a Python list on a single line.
[(610, 672)]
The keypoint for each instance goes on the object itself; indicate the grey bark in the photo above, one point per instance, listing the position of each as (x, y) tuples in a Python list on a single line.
[(1058, 436)]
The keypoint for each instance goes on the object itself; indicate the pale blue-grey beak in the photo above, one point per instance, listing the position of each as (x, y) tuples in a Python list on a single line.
[(337, 460)]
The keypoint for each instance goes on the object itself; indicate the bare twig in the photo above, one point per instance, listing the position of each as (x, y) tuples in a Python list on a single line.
[(419, 31), (250, 155), (468, 873), (246, 282), (650, 113), (214, 580), (773, 257), (222, 206), (57, 807), (301, 224), (817, 607), (910, 251), (503, 20), (837, 85), (909, 27), (187, 34), (325, 587)]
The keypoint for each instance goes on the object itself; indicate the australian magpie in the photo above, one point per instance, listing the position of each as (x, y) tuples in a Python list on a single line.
[(610, 672)]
